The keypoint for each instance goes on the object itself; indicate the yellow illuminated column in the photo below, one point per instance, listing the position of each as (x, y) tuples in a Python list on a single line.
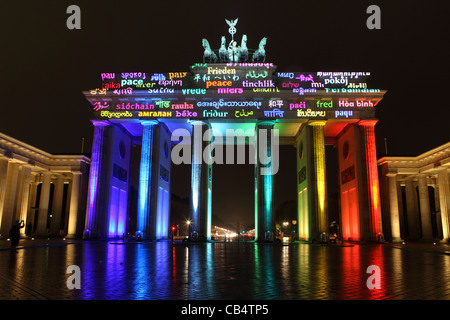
[(41, 229), (425, 211), (57, 207), (320, 192), (3, 175), (74, 205), (393, 207), (10, 197), (444, 202), (23, 192), (303, 183)]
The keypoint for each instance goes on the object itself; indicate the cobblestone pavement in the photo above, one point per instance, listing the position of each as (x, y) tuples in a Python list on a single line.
[(213, 271)]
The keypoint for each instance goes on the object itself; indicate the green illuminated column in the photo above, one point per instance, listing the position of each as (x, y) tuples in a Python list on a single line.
[(264, 213), (201, 183), (319, 190)]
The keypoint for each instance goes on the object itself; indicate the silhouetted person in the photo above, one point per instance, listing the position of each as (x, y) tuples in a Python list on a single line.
[(14, 234)]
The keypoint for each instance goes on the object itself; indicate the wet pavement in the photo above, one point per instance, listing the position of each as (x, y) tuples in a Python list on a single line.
[(222, 271)]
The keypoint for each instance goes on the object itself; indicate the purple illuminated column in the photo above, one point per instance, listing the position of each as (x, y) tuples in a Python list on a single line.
[(92, 210), (144, 216)]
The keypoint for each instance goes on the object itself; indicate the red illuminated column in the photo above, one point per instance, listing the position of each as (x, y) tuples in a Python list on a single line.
[(372, 177)]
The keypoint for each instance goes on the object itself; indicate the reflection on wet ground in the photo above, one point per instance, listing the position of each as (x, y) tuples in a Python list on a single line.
[(161, 270)]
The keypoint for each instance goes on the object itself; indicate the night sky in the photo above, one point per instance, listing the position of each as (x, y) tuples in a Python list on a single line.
[(44, 67)]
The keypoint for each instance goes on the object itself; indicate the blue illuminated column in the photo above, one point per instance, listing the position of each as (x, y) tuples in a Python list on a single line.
[(264, 213), (201, 184), (93, 202), (145, 216)]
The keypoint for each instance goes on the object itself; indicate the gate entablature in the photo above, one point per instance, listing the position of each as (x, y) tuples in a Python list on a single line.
[(234, 91)]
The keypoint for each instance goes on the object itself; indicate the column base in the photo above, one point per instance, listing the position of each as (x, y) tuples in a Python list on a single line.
[(87, 234)]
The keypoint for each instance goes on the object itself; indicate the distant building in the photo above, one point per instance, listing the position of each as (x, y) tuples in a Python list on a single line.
[(46, 190), (415, 196)]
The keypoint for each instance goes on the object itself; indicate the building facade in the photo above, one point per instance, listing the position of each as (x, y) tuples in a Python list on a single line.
[(416, 196), (44, 190), (186, 116)]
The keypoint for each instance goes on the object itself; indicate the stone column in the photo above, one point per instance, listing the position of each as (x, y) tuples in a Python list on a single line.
[(57, 209), (393, 207), (412, 210), (41, 229), (425, 213), (3, 178), (32, 204), (10, 198), (145, 213), (444, 202), (320, 201), (73, 205), (23, 193), (201, 176), (94, 188), (265, 167), (373, 186)]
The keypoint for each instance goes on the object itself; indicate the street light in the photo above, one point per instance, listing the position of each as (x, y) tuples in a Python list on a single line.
[(188, 223), (285, 224)]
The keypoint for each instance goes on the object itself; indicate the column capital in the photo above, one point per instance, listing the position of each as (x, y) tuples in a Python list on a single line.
[(317, 123), (100, 123), (266, 122), (149, 122), (368, 122), (199, 122), (391, 174)]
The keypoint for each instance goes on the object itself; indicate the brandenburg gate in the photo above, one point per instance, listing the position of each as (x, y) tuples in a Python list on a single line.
[(261, 106)]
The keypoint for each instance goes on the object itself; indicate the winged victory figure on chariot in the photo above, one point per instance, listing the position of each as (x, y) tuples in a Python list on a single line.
[(233, 52)]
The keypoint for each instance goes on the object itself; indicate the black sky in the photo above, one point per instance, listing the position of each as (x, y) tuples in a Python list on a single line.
[(44, 66)]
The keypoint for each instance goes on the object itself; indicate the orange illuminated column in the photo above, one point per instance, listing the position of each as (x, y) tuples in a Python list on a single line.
[(372, 177)]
